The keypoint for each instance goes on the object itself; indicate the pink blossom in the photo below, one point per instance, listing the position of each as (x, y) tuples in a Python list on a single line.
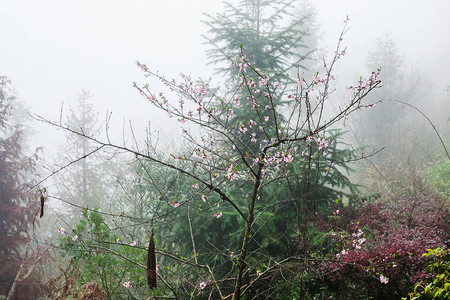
[(264, 81), (266, 118), (204, 198), (174, 203), (195, 186), (133, 244), (243, 129), (202, 285), (383, 279), (217, 215), (288, 157), (61, 231), (75, 237), (127, 284), (242, 67), (231, 173)]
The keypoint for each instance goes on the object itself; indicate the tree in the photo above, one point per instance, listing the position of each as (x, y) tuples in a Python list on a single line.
[(19, 206), (272, 38), (402, 132), (258, 27), (84, 181), (224, 165)]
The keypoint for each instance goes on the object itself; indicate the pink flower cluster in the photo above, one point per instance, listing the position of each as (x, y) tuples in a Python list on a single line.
[(279, 158), (174, 203), (383, 279), (231, 172)]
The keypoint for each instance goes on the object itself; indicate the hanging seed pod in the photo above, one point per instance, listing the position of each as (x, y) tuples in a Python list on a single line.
[(42, 205), (151, 263)]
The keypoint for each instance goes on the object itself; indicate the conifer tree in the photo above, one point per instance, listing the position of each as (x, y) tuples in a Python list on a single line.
[(269, 35), (83, 182), (19, 206), (267, 32)]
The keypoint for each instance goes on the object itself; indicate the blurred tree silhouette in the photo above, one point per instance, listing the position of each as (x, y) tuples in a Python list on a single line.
[(408, 140), (19, 205), (86, 181)]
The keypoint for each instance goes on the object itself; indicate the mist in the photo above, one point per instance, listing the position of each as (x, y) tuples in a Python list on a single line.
[(109, 159)]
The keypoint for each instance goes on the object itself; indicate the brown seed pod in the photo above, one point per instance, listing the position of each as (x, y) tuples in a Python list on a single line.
[(151, 263), (42, 205)]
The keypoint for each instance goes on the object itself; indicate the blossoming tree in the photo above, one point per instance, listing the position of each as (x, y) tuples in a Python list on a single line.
[(232, 178)]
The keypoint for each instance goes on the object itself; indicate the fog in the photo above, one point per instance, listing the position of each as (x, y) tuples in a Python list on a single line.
[(52, 50)]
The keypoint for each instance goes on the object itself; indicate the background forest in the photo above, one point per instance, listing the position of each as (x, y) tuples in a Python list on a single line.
[(282, 176)]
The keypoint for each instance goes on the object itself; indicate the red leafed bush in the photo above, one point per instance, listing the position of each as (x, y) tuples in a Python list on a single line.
[(379, 246), (18, 207)]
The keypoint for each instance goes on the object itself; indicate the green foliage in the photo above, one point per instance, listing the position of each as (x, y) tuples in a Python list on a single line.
[(293, 194), (98, 253), (257, 27), (300, 190), (439, 270), (438, 177)]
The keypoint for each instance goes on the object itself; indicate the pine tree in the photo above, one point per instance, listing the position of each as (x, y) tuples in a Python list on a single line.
[(269, 35), (392, 125), (258, 28), (84, 182)]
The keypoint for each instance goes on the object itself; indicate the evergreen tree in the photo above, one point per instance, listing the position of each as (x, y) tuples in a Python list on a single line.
[(384, 118), (86, 181), (266, 34), (404, 134), (19, 206)]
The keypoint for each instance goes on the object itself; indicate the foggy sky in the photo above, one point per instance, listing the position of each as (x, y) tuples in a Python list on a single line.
[(51, 49)]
